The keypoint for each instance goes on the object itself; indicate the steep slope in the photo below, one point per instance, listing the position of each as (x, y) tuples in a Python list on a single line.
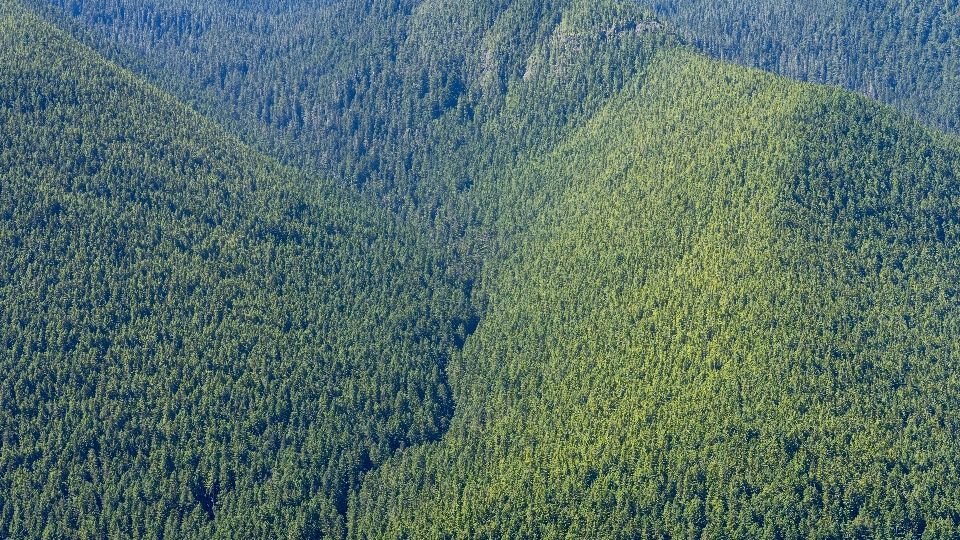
[(732, 315), (903, 52), (196, 342)]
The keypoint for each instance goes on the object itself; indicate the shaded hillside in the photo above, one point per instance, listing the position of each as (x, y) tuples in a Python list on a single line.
[(903, 52), (732, 315), (394, 98), (196, 342)]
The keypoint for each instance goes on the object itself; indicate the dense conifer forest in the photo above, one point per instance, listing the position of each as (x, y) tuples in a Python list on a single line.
[(450, 269)]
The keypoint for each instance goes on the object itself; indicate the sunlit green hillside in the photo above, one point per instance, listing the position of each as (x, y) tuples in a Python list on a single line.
[(733, 314)]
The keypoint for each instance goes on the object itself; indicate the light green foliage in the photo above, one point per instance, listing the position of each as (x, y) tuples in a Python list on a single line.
[(732, 316)]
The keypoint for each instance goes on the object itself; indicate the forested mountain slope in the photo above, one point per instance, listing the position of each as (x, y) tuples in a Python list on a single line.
[(194, 341), (693, 299), (903, 52), (732, 315)]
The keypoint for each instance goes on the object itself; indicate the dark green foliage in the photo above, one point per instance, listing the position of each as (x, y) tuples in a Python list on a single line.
[(903, 52), (194, 342), (395, 98)]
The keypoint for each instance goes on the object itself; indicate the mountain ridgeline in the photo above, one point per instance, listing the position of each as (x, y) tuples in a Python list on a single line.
[(519, 269)]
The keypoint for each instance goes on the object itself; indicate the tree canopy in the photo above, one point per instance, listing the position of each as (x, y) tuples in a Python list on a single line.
[(448, 269)]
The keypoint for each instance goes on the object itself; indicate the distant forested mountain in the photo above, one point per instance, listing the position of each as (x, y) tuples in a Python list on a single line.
[(394, 98), (519, 269), (906, 53), (351, 86), (412, 103)]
